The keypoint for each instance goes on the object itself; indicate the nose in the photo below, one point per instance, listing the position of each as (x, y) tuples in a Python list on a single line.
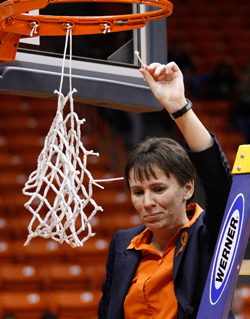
[(148, 200)]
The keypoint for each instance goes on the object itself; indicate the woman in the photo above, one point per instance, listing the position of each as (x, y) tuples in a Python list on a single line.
[(159, 270)]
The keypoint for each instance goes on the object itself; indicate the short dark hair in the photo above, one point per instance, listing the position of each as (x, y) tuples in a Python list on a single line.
[(163, 152)]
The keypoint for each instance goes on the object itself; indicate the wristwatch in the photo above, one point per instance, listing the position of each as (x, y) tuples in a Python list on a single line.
[(182, 111)]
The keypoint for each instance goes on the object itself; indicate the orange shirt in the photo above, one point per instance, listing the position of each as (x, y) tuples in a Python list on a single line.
[(151, 294)]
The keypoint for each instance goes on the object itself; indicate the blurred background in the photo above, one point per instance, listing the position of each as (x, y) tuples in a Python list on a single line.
[(210, 41)]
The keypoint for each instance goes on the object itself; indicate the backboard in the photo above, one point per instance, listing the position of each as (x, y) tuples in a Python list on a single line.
[(104, 67)]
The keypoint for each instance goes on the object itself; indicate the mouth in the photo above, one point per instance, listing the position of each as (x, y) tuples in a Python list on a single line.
[(152, 216)]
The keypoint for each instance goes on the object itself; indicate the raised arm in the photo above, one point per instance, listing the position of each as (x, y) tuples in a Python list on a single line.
[(166, 83)]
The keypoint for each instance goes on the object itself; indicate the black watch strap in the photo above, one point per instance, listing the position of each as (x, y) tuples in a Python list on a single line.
[(182, 111)]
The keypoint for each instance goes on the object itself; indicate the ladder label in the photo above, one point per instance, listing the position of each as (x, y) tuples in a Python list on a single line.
[(226, 249)]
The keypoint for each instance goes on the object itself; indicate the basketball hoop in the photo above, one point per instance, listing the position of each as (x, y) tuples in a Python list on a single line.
[(56, 188), (13, 20)]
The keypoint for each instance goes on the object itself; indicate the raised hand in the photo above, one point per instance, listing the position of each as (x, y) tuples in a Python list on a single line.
[(166, 83)]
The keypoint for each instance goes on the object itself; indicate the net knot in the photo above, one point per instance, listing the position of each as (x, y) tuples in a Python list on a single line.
[(34, 25), (68, 25), (106, 27)]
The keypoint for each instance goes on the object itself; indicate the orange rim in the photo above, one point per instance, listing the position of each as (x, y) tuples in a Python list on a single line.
[(13, 20)]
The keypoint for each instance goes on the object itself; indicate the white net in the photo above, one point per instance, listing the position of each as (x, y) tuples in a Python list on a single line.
[(61, 187)]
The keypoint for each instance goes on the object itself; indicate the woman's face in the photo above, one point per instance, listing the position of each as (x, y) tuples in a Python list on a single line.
[(160, 201)]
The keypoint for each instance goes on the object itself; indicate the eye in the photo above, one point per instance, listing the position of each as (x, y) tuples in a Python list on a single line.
[(137, 192), (159, 189)]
